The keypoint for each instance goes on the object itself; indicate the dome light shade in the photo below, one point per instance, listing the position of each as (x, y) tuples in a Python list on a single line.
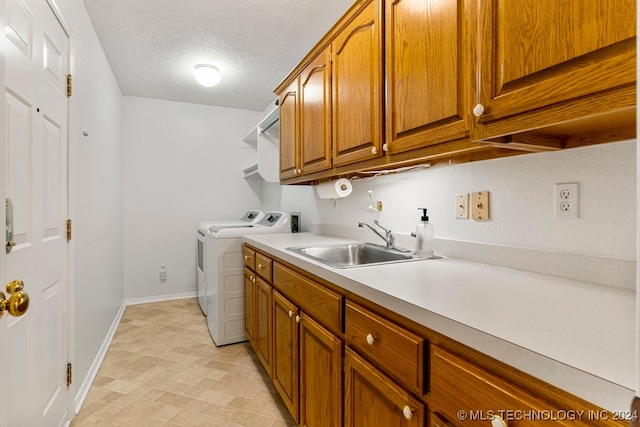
[(207, 75)]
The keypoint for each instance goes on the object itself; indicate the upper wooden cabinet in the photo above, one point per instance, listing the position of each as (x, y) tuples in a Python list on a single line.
[(315, 114), (417, 81), (427, 67), (357, 88), (289, 131), (546, 62)]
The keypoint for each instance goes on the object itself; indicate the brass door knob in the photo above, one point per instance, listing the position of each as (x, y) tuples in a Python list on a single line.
[(15, 286), (18, 303)]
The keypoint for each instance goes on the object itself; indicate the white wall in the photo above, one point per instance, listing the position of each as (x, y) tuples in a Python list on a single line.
[(96, 190), (521, 201), (183, 165)]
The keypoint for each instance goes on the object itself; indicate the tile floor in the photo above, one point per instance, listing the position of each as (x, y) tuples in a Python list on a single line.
[(162, 369)]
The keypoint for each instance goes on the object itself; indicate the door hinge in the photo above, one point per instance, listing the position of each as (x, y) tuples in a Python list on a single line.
[(69, 85), (68, 230), (69, 374)]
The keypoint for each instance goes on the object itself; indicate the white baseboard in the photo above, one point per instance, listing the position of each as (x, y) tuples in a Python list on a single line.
[(159, 298), (81, 395)]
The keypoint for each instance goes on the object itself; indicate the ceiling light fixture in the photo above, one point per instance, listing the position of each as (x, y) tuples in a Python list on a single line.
[(207, 75)]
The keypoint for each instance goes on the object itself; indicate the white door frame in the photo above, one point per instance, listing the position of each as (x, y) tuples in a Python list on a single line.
[(3, 151), (3, 195), (70, 249)]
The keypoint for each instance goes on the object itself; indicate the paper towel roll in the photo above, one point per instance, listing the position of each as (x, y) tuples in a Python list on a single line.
[(334, 189)]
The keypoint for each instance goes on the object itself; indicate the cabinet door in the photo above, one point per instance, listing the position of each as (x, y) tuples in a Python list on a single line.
[(264, 323), (249, 307), (289, 132), (320, 375), (427, 71), (372, 399), (357, 88), (533, 54), (315, 114), (285, 350)]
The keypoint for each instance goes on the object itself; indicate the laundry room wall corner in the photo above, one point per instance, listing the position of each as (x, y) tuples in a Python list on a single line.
[(95, 194), (183, 165)]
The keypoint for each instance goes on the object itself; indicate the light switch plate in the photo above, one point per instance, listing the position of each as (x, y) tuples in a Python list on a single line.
[(462, 206), (480, 206)]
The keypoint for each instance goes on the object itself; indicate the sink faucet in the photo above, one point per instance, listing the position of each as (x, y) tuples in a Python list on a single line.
[(389, 238)]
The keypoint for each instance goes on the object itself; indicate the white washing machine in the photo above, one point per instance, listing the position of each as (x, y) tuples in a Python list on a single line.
[(251, 217), (225, 275)]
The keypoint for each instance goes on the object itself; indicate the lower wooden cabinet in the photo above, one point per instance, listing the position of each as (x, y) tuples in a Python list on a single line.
[(264, 323), (249, 307), (372, 399), (300, 329), (320, 375), (285, 351), (467, 395), (307, 366)]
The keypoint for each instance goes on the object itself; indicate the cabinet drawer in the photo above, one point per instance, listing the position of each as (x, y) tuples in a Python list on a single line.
[(249, 258), (457, 385), (397, 350), (264, 266), (320, 303)]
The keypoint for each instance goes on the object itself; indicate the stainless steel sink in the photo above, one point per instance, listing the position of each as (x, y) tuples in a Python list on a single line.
[(353, 254)]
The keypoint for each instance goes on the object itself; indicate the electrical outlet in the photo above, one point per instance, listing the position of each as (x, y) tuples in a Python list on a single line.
[(566, 200), (163, 272), (462, 206), (480, 206)]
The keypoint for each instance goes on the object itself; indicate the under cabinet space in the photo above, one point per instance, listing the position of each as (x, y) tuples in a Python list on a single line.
[(399, 351)]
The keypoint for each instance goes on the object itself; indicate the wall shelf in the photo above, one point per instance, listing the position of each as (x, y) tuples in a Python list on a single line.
[(265, 139), (251, 171)]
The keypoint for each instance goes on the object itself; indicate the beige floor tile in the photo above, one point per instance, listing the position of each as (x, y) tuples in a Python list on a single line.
[(136, 413), (92, 422), (163, 369), (173, 399)]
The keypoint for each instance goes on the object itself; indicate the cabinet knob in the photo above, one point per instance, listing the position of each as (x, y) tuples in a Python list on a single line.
[(478, 110), (253, 279), (406, 411), (260, 266), (385, 147), (297, 319), (374, 150), (299, 170), (247, 257), (290, 313), (496, 421), (370, 339)]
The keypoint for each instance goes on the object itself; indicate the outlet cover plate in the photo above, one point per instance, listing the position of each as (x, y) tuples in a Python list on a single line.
[(480, 206), (566, 200), (462, 206)]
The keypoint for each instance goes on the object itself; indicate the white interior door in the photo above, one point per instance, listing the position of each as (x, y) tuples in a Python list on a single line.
[(36, 111)]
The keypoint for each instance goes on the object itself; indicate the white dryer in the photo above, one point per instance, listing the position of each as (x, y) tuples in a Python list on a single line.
[(250, 217), (225, 275)]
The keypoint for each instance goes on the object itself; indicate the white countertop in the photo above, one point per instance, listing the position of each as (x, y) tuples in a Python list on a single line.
[(577, 336)]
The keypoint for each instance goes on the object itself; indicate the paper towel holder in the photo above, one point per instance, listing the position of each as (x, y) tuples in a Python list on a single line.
[(377, 204)]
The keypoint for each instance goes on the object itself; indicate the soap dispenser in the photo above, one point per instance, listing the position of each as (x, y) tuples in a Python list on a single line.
[(424, 236)]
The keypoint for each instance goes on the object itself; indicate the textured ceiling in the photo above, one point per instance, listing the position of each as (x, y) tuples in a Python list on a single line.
[(153, 45)]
